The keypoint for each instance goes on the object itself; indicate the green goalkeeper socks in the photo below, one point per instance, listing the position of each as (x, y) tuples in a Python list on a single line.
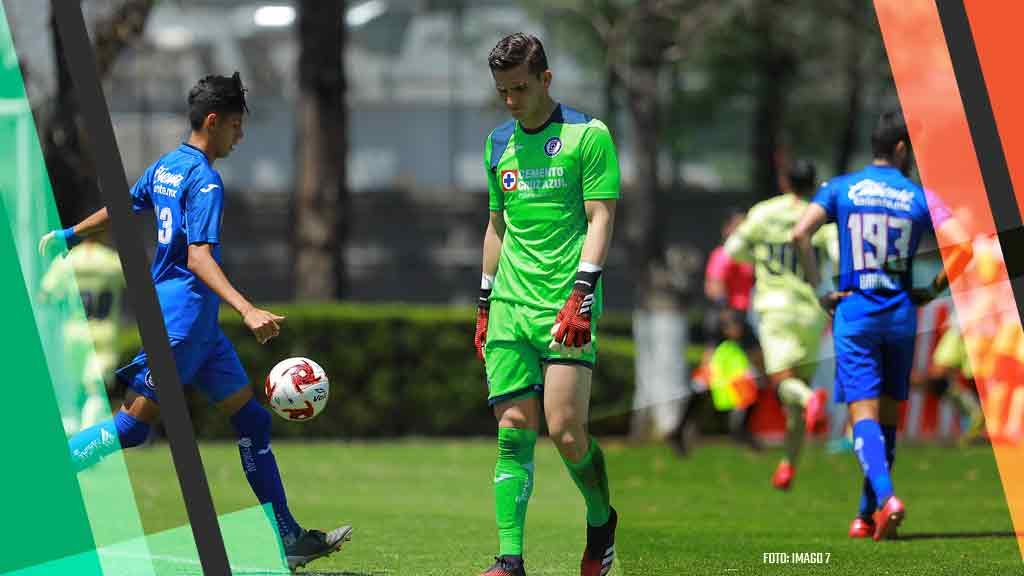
[(513, 484), (592, 479)]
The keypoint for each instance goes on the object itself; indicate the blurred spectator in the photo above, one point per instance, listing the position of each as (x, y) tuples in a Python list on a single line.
[(728, 282), (727, 286)]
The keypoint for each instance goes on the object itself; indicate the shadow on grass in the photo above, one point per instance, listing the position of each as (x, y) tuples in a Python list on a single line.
[(958, 535), (305, 573), (342, 573)]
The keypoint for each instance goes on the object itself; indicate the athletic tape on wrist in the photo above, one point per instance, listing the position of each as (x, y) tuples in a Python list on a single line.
[(70, 238)]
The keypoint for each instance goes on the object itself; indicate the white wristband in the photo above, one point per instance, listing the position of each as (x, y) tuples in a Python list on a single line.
[(588, 267), (486, 282)]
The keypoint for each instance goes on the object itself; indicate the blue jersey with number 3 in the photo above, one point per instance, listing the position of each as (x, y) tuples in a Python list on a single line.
[(186, 196), (880, 215)]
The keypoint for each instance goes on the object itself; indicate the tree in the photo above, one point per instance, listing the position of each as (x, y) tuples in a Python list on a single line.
[(320, 205), (638, 41), (808, 68), (70, 166)]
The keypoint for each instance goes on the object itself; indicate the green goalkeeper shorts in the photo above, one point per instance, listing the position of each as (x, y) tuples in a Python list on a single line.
[(518, 337), (790, 341)]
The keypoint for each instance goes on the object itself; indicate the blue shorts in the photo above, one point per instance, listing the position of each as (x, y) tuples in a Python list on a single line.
[(874, 354), (212, 366)]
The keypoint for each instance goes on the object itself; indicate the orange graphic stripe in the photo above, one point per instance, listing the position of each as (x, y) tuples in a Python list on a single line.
[(948, 164)]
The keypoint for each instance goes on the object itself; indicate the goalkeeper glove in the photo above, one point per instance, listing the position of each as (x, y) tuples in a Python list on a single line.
[(483, 309), (572, 325), (50, 243)]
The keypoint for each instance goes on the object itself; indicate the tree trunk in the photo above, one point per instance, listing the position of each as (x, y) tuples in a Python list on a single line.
[(643, 218), (70, 167), (320, 204), (775, 68), (657, 317), (854, 106)]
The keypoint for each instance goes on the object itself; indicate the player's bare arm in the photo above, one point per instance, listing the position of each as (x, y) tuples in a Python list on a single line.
[(568, 330), (95, 222), (814, 217), (263, 324), (600, 221), (957, 252), (492, 253), (492, 242)]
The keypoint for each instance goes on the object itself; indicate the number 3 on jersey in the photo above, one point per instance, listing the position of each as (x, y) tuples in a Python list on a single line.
[(871, 235), (163, 235)]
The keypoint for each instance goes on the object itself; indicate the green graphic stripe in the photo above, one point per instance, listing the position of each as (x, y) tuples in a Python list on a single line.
[(46, 517), (87, 524)]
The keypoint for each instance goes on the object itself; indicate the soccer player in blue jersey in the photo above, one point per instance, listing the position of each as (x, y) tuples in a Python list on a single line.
[(186, 195), (881, 216)]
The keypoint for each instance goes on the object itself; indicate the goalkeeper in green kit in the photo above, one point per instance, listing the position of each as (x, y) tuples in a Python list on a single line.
[(553, 180)]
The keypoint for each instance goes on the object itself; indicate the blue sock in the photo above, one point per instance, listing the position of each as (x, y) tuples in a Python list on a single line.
[(868, 501), (889, 432), (869, 445), (95, 443), (252, 422)]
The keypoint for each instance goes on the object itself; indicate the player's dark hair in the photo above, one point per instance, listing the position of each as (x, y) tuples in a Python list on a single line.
[(803, 176), (215, 94), (516, 49), (890, 130)]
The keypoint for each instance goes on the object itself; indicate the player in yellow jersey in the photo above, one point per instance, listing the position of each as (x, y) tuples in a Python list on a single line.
[(790, 319), (90, 341)]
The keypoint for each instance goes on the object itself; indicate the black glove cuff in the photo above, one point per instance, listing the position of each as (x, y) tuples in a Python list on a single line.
[(586, 282), (485, 299)]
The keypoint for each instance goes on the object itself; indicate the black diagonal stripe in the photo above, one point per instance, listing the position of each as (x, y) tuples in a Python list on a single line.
[(114, 186), (987, 145)]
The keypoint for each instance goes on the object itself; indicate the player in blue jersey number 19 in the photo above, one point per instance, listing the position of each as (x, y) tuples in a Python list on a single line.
[(186, 195), (881, 215)]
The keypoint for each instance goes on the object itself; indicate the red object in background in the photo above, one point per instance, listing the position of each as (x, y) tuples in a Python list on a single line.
[(768, 422), (737, 276)]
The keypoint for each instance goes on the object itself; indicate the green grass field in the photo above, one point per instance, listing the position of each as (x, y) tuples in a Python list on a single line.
[(424, 507)]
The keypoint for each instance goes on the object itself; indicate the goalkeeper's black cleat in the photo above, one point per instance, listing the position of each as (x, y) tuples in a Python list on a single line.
[(313, 544), (600, 551), (506, 566)]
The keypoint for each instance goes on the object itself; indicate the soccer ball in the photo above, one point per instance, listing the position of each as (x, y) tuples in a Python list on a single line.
[(297, 389)]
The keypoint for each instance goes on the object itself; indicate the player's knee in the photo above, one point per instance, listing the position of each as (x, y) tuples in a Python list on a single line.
[(566, 435), (130, 431), (252, 421), (520, 414)]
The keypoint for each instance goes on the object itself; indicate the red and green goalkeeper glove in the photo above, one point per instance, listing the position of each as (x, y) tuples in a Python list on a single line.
[(483, 309), (572, 325)]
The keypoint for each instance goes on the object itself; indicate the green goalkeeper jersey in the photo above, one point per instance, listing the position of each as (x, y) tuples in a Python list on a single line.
[(539, 179), (765, 238)]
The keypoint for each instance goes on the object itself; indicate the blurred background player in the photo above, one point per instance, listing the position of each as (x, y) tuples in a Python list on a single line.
[(881, 215), (952, 369), (186, 196), (728, 283), (90, 343), (553, 180), (790, 320)]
